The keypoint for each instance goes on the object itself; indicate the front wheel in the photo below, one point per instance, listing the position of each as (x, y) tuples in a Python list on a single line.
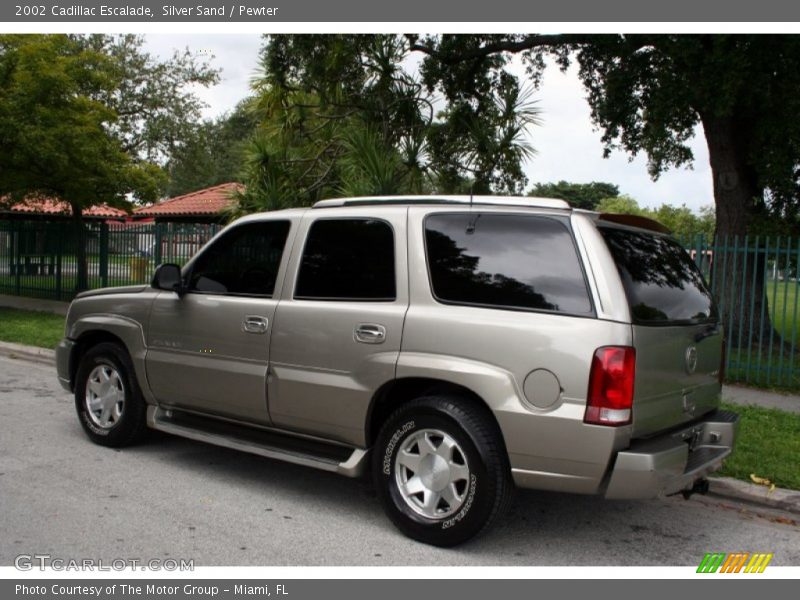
[(107, 397), (441, 470)]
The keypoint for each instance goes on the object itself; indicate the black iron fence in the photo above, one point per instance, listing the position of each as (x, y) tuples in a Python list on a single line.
[(39, 259)]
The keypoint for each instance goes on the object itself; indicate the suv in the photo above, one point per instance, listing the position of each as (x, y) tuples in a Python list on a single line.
[(455, 346)]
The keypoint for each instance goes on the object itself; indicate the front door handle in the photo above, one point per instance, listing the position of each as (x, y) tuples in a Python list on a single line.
[(255, 324), (370, 333)]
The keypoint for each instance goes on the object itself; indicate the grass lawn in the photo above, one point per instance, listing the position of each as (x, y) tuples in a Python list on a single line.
[(768, 446), (31, 328)]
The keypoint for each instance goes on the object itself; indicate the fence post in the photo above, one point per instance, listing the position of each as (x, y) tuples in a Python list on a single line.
[(104, 254), (15, 257), (157, 249), (59, 234)]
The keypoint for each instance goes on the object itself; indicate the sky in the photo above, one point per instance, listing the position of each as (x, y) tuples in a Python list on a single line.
[(567, 145)]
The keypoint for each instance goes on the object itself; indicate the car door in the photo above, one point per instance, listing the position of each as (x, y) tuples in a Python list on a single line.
[(208, 349), (337, 330)]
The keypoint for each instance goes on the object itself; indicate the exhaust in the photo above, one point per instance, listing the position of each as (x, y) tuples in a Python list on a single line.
[(700, 487)]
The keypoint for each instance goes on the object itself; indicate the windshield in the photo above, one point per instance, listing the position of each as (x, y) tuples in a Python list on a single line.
[(662, 283)]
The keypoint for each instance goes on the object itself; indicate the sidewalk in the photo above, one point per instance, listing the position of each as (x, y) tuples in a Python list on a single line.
[(736, 394), (35, 304)]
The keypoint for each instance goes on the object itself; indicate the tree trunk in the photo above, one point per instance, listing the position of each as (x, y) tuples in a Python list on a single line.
[(82, 272), (738, 272)]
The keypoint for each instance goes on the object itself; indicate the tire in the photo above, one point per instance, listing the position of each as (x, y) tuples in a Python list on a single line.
[(463, 481), (108, 400)]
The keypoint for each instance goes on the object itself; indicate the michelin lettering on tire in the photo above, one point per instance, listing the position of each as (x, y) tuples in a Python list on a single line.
[(399, 433), (473, 483)]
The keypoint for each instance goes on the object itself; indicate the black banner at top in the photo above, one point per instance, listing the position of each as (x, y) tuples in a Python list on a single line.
[(452, 11)]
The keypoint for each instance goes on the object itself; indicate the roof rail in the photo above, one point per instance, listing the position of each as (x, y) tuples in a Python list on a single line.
[(521, 201)]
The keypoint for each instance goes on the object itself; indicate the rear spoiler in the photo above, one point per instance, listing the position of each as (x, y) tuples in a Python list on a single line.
[(634, 221)]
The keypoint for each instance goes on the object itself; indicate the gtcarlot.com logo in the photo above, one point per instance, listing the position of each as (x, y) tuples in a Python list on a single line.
[(737, 562), (29, 562)]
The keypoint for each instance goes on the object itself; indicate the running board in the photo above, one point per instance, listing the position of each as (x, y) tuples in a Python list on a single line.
[(347, 461)]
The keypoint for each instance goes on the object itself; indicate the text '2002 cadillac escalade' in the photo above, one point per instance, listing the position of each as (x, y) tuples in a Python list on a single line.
[(453, 346)]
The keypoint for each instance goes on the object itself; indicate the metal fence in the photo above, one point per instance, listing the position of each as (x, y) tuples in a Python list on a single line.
[(39, 258), (754, 279), (755, 282)]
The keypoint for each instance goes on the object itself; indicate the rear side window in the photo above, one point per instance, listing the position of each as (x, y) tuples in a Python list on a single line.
[(510, 261), (662, 283), (243, 261), (348, 259)]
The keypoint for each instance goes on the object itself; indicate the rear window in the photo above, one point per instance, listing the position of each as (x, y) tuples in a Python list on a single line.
[(508, 261), (662, 283)]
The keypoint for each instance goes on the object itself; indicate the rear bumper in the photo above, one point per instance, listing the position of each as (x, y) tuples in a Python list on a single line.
[(63, 358), (673, 462)]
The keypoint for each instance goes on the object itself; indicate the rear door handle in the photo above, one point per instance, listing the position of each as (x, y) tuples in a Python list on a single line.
[(370, 333), (255, 324)]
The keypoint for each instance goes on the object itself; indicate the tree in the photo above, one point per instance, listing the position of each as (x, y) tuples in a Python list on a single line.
[(74, 115), (214, 153), (341, 115), (579, 195), (648, 93)]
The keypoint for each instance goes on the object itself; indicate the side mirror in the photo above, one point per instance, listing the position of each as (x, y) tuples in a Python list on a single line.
[(168, 277)]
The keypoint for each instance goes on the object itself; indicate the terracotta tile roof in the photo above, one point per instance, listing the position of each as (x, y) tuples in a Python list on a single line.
[(208, 202), (50, 206)]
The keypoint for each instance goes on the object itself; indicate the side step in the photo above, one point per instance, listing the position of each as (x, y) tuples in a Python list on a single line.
[(350, 462)]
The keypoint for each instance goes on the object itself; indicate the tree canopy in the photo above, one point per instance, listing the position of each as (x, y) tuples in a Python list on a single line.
[(343, 115), (579, 195), (89, 119), (648, 93), (214, 153)]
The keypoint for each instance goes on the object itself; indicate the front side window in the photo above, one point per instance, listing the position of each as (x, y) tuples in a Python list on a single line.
[(348, 259), (243, 261), (511, 261)]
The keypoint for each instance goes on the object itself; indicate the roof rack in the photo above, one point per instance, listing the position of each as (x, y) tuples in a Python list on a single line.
[(521, 201)]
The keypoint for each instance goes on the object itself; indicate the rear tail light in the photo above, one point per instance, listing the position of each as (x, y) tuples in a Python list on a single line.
[(610, 398), (723, 359)]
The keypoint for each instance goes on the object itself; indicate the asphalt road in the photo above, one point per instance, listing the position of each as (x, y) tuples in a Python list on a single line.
[(62, 495)]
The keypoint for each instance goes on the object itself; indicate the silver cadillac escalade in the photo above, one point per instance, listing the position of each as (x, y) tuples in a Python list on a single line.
[(453, 346)]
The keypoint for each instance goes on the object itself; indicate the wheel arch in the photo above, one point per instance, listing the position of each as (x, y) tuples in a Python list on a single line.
[(394, 394), (97, 329)]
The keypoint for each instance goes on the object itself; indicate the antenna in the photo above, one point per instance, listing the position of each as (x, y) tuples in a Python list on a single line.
[(474, 221)]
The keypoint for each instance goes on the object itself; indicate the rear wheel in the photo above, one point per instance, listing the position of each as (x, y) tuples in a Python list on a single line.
[(107, 397), (440, 470)]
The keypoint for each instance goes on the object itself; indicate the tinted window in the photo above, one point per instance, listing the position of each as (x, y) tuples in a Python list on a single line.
[(505, 260), (244, 260), (662, 283), (347, 259)]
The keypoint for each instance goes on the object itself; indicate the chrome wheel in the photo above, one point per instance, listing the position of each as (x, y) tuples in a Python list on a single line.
[(432, 473), (105, 396)]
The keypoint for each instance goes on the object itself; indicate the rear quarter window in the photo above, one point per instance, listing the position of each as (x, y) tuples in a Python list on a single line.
[(505, 261), (662, 283)]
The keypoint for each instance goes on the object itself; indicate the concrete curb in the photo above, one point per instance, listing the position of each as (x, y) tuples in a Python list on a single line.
[(42, 356), (758, 495)]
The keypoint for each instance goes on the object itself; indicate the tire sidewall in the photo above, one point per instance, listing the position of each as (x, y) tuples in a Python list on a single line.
[(478, 504), (109, 355)]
